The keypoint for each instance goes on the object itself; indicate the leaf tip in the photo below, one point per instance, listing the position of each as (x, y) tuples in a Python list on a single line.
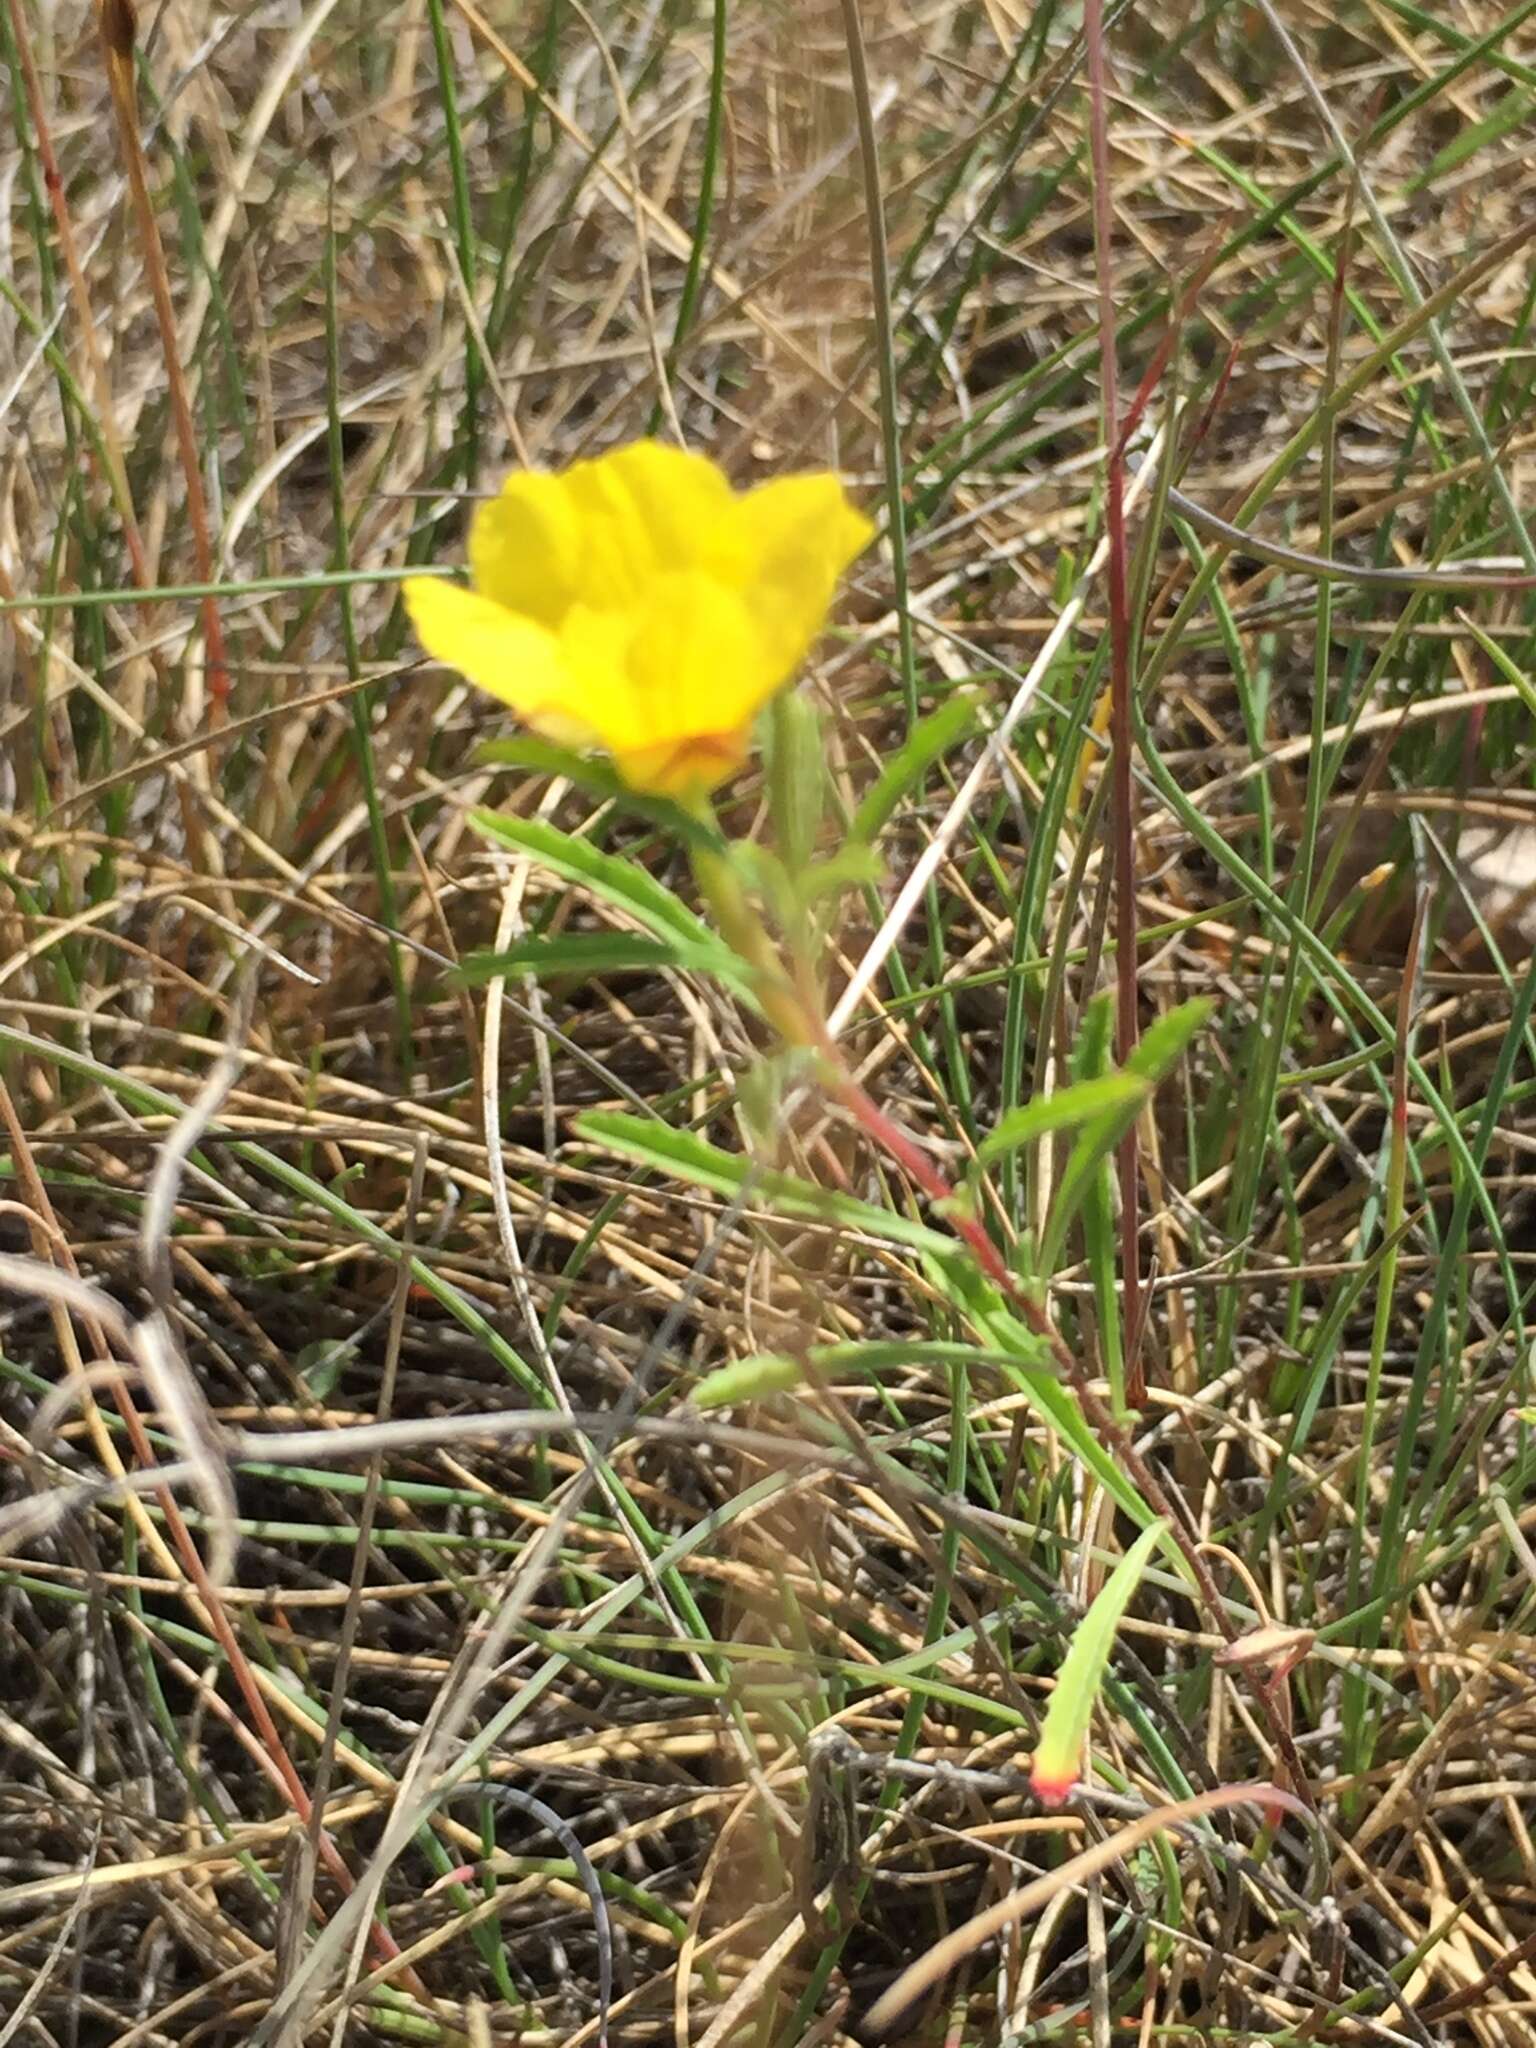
[(1051, 1784)]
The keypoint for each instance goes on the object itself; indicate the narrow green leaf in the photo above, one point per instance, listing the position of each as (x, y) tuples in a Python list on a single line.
[(1164, 1040), (688, 1157), (1063, 1111), (797, 778), (321, 1365), (1511, 671), (1160, 1047), (930, 737), (582, 954), (598, 777), (625, 885), (772, 1372), (1063, 1735), (1026, 1363), (749, 1379), (851, 867)]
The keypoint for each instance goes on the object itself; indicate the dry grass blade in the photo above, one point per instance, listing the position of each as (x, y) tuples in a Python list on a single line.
[(920, 1977)]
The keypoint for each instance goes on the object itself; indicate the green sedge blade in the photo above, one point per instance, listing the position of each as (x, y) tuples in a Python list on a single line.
[(1063, 1111), (1064, 1734)]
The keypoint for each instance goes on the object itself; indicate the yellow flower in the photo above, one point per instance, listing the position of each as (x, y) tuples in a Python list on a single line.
[(639, 604)]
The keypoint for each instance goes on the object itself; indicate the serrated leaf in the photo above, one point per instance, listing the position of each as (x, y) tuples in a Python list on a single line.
[(1058, 1759), (626, 886)]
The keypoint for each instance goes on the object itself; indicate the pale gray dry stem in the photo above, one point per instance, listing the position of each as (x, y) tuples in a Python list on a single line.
[(554, 1824), (1327, 570)]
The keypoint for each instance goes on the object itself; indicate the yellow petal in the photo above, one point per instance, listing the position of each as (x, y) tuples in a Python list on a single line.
[(594, 655), (800, 533), (685, 769), (525, 547), (511, 657), (633, 514), (618, 556), (697, 659), (638, 603), (684, 503), (670, 688)]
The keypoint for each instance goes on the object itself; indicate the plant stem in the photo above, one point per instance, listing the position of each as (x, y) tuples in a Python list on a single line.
[(1127, 1019)]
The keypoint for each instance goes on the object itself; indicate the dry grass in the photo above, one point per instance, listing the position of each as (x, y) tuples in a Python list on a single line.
[(246, 1097)]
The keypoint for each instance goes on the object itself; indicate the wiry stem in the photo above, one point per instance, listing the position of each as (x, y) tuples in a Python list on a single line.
[(116, 22), (1127, 1018), (100, 382)]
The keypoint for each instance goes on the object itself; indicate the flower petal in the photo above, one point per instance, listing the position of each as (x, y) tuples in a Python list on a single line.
[(670, 688), (511, 657), (685, 769), (799, 534), (644, 511), (637, 602), (697, 659), (684, 502), (525, 547)]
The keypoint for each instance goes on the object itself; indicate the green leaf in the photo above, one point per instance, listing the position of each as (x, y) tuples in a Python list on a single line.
[(1062, 1111), (797, 778), (1058, 1760), (625, 885), (772, 1372), (749, 1379), (1024, 1358), (1160, 1047), (930, 737), (598, 777), (1163, 1042), (1025, 1362), (320, 1365), (581, 954), (851, 867), (688, 1157), (1511, 671), (1093, 1049)]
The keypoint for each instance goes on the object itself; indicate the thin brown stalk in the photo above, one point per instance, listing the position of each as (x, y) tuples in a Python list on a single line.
[(932, 1967), (309, 1861), (115, 21), (100, 382), (207, 1606)]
